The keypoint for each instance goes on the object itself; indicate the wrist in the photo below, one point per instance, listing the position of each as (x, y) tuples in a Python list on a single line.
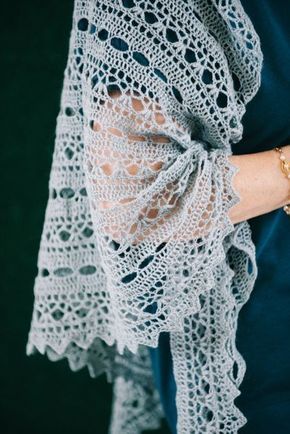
[(285, 155), (286, 151)]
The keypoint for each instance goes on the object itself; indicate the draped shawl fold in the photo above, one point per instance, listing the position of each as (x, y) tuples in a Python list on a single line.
[(136, 237)]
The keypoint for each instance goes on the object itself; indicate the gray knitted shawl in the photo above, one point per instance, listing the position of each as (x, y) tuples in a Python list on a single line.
[(137, 238)]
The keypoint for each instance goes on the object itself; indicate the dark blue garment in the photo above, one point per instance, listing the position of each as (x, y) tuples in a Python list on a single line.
[(264, 321)]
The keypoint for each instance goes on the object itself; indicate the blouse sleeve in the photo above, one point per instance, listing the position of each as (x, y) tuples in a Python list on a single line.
[(159, 208)]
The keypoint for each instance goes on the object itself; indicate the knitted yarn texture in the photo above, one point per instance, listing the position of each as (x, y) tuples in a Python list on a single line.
[(136, 237)]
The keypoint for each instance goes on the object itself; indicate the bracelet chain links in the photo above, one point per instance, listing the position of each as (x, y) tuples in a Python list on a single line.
[(285, 167)]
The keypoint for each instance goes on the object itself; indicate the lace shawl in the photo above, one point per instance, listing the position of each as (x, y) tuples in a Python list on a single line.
[(136, 237)]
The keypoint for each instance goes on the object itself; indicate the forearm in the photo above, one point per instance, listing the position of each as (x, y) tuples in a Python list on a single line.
[(260, 183), (120, 179)]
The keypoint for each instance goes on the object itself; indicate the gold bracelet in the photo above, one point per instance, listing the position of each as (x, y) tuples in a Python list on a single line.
[(285, 167)]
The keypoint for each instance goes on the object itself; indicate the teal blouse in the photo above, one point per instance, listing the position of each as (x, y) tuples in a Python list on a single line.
[(264, 321)]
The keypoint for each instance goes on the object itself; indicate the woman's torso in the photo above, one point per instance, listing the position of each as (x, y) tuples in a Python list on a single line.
[(264, 321)]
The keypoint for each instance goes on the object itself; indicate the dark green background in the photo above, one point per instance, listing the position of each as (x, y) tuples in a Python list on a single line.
[(37, 396)]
